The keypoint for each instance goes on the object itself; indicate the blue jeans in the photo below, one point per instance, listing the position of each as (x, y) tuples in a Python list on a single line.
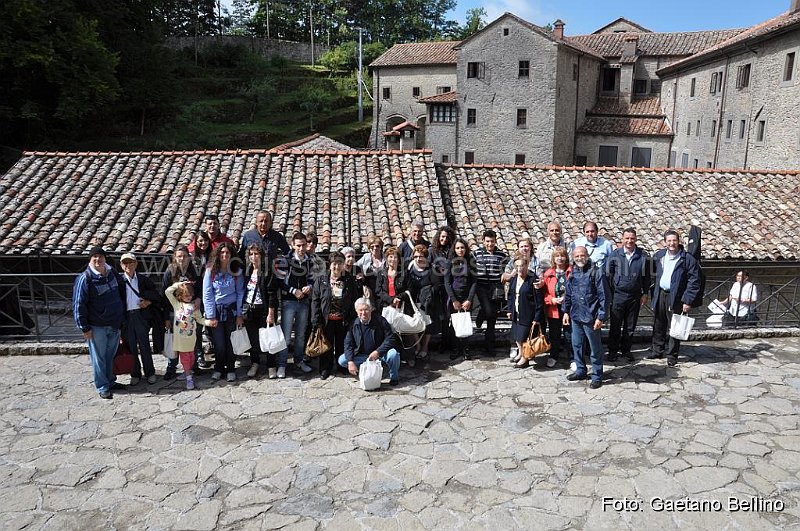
[(225, 360), (294, 316), (579, 331), (102, 349), (392, 359)]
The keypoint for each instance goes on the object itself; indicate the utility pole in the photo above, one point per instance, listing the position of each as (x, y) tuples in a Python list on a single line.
[(360, 81), (268, 20), (311, 27)]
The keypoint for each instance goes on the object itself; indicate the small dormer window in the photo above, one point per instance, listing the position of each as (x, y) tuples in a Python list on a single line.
[(505, 32)]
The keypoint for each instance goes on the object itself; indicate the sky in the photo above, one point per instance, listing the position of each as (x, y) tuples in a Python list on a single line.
[(585, 16)]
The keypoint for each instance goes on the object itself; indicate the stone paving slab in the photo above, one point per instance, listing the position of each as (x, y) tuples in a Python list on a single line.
[(458, 445)]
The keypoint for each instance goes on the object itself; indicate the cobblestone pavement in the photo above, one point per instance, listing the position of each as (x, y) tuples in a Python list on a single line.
[(468, 445)]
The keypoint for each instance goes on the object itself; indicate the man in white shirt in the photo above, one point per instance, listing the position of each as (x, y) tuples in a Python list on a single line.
[(140, 292), (597, 247), (544, 251)]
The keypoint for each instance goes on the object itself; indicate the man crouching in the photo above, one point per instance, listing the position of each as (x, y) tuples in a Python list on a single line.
[(371, 338)]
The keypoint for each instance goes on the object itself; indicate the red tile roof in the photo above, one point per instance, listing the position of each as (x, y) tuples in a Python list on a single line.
[(314, 142), (624, 126), (679, 44), (645, 106), (418, 53), (445, 97)]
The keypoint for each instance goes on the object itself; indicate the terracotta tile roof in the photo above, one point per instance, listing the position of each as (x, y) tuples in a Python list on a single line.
[(405, 125), (626, 21), (150, 202), (445, 97), (625, 126), (314, 142), (778, 24), (418, 53), (646, 106), (679, 44), (480, 197)]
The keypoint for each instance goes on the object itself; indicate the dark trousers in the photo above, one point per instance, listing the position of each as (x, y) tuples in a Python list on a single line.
[(225, 360), (335, 331), (663, 343), (137, 335), (486, 296), (624, 316), (555, 335), (256, 319)]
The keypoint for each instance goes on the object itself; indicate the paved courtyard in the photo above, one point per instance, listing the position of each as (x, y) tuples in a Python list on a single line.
[(472, 445)]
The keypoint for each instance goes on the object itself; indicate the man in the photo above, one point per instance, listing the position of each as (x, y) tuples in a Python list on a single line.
[(98, 308), (272, 241), (296, 282), (596, 246), (370, 338), (489, 264), (584, 308), (140, 292), (629, 279), (544, 251), (415, 237), (213, 231), (676, 286)]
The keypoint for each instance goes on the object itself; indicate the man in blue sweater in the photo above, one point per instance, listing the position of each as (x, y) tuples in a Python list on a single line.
[(370, 338), (98, 307)]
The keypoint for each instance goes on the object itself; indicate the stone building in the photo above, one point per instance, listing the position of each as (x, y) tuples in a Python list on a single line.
[(621, 96)]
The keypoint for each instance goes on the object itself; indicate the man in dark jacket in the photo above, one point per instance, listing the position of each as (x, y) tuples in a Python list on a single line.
[(629, 280), (370, 338), (584, 308), (140, 293), (677, 284), (98, 308), (273, 242)]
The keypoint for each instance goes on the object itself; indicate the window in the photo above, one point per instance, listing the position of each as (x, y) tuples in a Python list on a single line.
[(640, 157), (685, 160), (443, 113), (519, 159), (522, 117), (743, 76), (742, 127), (524, 68), (761, 130), (415, 92), (476, 70), (697, 130), (580, 160), (788, 68), (442, 90), (640, 86), (469, 157), (387, 93), (696, 163), (505, 32), (607, 156), (716, 83), (609, 80), (689, 129), (655, 86), (691, 90), (445, 159), (728, 129), (708, 164), (472, 116), (713, 128), (673, 158)]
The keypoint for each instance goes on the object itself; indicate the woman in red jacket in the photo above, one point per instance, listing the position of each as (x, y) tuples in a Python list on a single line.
[(555, 280)]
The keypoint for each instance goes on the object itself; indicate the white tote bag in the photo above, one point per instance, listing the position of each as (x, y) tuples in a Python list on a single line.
[(369, 375), (169, 351), (462, 324), (680, 326), (406, 324), (239, 341), (271, 339)]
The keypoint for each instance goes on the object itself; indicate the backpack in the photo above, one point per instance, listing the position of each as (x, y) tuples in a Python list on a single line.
[(693, 248)]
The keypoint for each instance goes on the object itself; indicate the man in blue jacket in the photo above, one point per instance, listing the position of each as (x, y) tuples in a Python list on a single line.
[(98, 307), (370, 338), (629, 283), (584, 307), (676, 286)]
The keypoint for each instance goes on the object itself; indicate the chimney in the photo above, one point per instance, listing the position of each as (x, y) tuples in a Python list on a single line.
[(631, 45), (558, 26)]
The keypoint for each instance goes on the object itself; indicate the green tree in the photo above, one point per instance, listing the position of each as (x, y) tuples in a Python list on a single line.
[(476, 21), (314, 99)]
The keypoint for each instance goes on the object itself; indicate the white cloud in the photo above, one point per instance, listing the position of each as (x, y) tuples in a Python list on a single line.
[(525, 9)]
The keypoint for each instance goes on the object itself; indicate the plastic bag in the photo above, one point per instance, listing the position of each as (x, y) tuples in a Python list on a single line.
[(680, 326), (369, 375), (239, 341), (271, 339), (462, 324), (406, 324), (169, 351)]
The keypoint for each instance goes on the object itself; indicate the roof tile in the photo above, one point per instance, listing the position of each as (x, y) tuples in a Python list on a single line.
[(418, 53)]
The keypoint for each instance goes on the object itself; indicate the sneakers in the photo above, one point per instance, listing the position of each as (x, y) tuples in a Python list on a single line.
[(573, 366), (231, 377), (304, 367), (551, 362), (135, 380), (189, 383), (152, 379), (216, 375), (281, 373), (253, 370), (273, 373)]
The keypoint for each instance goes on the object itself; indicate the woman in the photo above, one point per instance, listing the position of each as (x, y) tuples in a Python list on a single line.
[(202, 251), (181, 269), (371, 263), (333, 309), (223, 290), (741, 300), (419, 284), (440, 253), (199, 256), (460, 285), (555, 281), (389, 280), (354, 270), (259, 307), (523, 306)]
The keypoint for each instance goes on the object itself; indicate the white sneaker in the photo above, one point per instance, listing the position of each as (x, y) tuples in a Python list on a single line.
[(152, 379), (253, 370), (216, 375), (231, 377), (273, 373), (281, 372), (135, 380), (573, 367), (304, 367)]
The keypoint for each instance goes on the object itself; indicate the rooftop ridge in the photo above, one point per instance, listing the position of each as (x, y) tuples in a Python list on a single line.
[(629, 169), (270, 151)]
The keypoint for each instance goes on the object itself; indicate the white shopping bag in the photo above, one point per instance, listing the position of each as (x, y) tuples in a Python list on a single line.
[(716, 308), (169, 352), (239, 341), (462, 324), (680, 326), (406, 324), (271, 339), (369, 375), (714, 321)]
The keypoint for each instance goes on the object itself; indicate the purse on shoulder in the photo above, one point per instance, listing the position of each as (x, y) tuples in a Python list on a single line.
[(318, 344), (534, 346)]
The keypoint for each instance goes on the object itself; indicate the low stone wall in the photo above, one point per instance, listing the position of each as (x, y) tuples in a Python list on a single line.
[(298, 52)]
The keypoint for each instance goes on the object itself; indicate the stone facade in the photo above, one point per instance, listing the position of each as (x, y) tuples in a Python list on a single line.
[(589, 146)]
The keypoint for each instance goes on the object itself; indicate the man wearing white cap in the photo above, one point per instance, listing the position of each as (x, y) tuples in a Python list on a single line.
[(140, 292)]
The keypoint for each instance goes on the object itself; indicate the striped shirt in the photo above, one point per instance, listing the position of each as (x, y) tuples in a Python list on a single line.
[(489, 266)]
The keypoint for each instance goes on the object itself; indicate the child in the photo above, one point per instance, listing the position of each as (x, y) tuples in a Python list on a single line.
[(180, 295)]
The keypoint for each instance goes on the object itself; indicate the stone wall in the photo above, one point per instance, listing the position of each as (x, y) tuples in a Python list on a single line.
[(589, 146), (298, 52), (573, 90)]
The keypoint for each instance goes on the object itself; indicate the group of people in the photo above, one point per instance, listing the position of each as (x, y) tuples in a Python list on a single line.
[(214, 284)]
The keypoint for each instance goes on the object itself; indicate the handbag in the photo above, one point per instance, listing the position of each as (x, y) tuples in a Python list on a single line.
[(680, 326), (462, 324), (406, 324), (369, 375), (124, 361), (271, 339), (169, 351), (240, 341), (318, 343), (534, 346)]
